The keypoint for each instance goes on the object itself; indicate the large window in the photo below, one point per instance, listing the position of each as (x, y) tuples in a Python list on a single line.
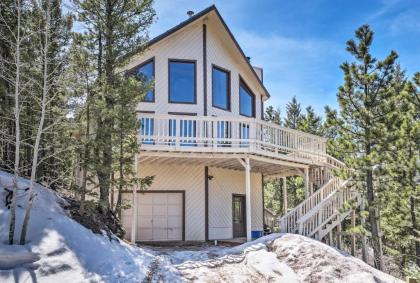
[(146, 73), (182, 81), (246, 100), (221, 88)]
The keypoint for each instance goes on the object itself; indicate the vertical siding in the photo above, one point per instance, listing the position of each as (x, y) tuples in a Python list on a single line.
[(181, 45), (221, 187), (188, 44), (190, 179), (219, 54)]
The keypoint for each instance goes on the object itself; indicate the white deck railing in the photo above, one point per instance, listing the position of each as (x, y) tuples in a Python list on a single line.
[(289, 221), (228, 134), (329, 208)]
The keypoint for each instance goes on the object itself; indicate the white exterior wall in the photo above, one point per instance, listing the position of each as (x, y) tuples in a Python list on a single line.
[(221, 187), (185, 178), (220, 55), (187, 43), (181, 45)]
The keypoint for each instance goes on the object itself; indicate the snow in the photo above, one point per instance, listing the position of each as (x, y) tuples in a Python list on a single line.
[(67, 251), (61, 250)]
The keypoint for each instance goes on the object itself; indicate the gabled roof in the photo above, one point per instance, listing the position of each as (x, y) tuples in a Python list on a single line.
[(198, 16)]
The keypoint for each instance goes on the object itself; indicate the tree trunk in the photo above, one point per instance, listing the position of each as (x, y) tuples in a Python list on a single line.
[(85, 156), (374, 220), (362, 223), (415, 228), (40, 128), (17, 127)]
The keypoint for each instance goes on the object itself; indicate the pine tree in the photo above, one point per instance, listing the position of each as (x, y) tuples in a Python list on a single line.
[(293, 114), (273, 115), (367, 111), (401, 212), (311, 122), (116, 28)]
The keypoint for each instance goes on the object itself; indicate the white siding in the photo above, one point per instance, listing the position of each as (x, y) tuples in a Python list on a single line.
[(187, 43), (221, 187), (185, 178), (220, 55)]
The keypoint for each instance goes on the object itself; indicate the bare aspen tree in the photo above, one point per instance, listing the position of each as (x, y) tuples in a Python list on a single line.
[(13, 36), (44, 102)]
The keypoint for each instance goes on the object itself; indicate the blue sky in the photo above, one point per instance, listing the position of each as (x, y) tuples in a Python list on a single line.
[(301, 44)]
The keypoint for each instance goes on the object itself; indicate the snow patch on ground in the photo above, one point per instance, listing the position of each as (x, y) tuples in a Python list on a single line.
[(67, 251), (61, 250)]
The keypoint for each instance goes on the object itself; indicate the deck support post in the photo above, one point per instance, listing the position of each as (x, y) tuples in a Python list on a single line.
[(134, 200), (247, 165), (284, 195), (339, 235), (330, 240), (353, 237), (306, 180)]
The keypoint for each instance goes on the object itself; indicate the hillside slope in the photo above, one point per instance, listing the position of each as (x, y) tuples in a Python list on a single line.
[(61, 250)]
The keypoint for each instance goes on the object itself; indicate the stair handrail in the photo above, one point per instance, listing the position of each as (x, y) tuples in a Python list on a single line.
[(307, 205), (310, 223)]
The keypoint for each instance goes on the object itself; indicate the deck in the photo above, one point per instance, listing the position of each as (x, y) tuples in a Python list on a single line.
[(200, 136)]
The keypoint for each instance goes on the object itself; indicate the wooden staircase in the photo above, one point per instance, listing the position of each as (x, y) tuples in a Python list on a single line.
[(324, 209)]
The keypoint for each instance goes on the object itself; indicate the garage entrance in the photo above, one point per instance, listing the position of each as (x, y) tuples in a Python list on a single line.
[(160, 216)]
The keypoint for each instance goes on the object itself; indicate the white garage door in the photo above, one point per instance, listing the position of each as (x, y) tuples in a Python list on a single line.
[(159, 217)]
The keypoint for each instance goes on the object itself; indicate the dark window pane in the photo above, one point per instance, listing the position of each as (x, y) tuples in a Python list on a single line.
[(247, 101), (145, 73), (182, 82), (220, 89)]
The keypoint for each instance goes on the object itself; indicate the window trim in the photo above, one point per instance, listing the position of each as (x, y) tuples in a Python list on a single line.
[(244, 84), (229, 84), (171, 60), (133, 71)]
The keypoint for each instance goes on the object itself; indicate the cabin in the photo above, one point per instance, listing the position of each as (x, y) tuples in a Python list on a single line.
[(204, 139)]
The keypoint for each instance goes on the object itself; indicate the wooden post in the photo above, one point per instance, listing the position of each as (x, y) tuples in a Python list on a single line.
[(245, 162), (134, 200), (330, 240), (339, 235), (353, 236), (248, 198), (284, 195), (306, 179)]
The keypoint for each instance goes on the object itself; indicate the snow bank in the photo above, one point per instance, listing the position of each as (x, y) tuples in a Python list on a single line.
[(61, 250), (67, 251), (273, 258), (314, 261)]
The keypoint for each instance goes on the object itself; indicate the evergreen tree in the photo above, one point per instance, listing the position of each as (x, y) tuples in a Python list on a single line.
[(293, 114), (367, 111), (400, 215), (273, 115), (115, 28), (311, 122)]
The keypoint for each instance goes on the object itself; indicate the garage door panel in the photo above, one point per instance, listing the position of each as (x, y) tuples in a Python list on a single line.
[(175, 210), (160, 198), (145, 234), (175, 199), (160, 210), (174, 233), (160, 234), (145, 221), (160, 222), (174, 221), (160, 216)]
